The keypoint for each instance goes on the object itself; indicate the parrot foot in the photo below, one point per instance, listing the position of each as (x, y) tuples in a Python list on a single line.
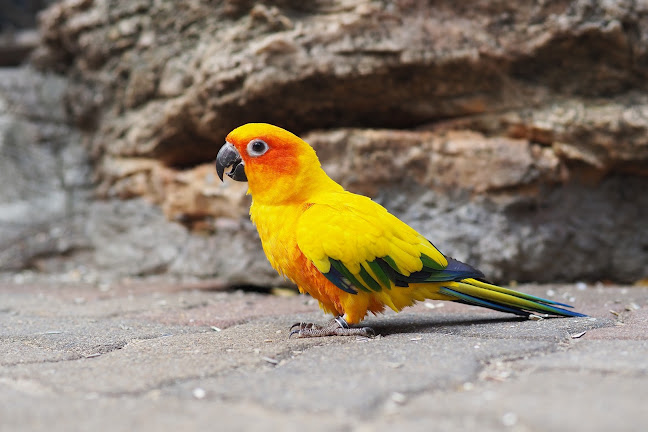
[(336, 327)]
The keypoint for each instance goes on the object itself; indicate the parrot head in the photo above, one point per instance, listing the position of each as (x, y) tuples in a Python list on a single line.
[(278, 165)]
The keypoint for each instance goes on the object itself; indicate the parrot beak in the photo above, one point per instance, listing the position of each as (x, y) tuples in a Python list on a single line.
[(227, 157)]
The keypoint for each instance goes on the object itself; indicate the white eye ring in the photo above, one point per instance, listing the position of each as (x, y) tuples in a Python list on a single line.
[(257, 147)]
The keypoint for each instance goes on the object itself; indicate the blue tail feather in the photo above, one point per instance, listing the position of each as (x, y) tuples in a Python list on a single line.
[(484, 303)]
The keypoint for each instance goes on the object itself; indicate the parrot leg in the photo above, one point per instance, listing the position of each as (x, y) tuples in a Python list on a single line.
[(336, 327)]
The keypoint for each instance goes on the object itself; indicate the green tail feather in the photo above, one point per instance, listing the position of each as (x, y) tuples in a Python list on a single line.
[(505, 300)]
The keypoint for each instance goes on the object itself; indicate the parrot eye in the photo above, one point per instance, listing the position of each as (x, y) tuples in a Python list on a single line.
[(257, 147)]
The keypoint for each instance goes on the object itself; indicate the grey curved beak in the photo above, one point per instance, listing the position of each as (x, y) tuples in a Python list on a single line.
[(227, 157)]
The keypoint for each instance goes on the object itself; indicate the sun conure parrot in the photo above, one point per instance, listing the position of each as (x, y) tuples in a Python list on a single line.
[(345, 250)]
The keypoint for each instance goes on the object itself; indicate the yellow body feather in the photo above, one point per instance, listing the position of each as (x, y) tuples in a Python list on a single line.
[(349, 228)]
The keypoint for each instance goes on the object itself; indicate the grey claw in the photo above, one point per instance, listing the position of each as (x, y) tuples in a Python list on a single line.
[(300, 327), (294, 332), (336, 327)]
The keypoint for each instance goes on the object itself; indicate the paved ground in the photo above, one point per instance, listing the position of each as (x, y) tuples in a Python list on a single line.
[(158, 355)]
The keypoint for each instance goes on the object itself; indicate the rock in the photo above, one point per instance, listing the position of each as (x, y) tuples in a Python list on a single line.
[(134, 238), (44, 172), (607, 135), (513, 136), (18, 34), (368, 161), (15, 47), (341, 64), (186, 196), (51, 221)]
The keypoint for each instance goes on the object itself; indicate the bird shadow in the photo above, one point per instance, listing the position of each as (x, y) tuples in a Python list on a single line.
[(395, 326)]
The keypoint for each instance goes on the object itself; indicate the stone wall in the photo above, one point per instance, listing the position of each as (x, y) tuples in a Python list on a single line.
[(513, 135)]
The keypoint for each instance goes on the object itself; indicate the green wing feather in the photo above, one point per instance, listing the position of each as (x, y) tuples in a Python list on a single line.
[(358, 245)]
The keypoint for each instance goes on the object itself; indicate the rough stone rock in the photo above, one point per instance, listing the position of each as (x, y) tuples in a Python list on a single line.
[(18, 34), (596, 135), (194, 196), (44, 172), (50, 220), (368, 161), (513, 135), (15, 47), (134, 238), (180, 76)]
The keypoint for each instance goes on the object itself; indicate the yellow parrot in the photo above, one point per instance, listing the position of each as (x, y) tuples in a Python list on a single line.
[(343, 249)]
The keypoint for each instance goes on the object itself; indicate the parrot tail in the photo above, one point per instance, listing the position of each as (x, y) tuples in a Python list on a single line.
[(478, 293)]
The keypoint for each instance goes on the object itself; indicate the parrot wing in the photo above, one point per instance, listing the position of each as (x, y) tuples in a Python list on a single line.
[(357, 245)]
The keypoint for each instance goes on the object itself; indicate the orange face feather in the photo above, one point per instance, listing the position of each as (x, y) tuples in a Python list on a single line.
[(280, 158), (278, 174)]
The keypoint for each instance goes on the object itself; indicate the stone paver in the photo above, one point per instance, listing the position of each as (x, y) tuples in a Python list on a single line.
[(164, 355)]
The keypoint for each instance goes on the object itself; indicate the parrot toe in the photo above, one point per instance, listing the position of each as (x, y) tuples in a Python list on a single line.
[(336, 327)]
